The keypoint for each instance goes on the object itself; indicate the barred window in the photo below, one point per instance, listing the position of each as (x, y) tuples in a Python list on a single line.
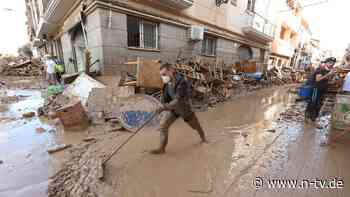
[(142, 33), (209, 45)]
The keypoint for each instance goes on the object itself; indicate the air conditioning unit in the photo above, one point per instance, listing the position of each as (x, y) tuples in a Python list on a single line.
[(196, 33)]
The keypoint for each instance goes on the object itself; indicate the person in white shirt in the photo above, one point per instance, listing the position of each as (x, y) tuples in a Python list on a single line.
[(346, 85), (50, 70)]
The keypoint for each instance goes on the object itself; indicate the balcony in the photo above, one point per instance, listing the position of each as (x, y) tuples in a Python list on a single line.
[(57, 9), (259, 28), (177, 4), (54, 12)]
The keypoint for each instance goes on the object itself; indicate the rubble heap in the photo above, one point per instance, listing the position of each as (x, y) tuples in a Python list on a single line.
[(294, 113), (53, 103), (20, 66), (80, 176)]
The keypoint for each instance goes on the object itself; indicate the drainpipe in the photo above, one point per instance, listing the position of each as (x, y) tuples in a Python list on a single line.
[(86, 52)]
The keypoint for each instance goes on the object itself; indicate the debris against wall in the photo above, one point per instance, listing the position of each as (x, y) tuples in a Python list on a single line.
[(20, 66)]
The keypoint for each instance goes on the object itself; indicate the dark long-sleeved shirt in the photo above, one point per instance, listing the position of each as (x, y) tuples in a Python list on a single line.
[(176, 96)]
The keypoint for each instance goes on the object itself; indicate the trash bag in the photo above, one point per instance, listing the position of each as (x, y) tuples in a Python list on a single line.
[(54, 90)]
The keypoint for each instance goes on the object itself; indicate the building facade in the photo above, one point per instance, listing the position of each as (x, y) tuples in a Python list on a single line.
[(122, 30), (303, 52), (293, 34)]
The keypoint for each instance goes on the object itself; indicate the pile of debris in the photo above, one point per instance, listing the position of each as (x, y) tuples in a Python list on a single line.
[(52, 104), (218, 82), (20, 66), (212, 82), (285, 75), (84, 101), (294, 113)]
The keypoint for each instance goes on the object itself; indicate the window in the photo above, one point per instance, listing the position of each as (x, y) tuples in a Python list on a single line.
[(234, 2), (142, 33), (293, 36), (209, 46), (282, 33), (251, 5)]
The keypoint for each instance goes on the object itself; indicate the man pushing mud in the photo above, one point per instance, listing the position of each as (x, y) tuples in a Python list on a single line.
[(176, 103)]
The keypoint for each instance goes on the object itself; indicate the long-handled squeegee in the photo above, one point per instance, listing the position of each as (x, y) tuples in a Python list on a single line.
[(116, 149)]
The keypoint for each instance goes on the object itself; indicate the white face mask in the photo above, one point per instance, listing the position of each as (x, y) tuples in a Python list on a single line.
[(166, 79)]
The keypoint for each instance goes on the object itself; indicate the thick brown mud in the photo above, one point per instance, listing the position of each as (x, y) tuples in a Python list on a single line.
[(249, 137)]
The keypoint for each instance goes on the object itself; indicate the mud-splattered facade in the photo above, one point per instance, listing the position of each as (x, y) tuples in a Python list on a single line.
[(122, 30)]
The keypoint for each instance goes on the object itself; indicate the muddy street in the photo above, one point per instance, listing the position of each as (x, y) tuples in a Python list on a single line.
[(249, 137), (26, 165), (174, 98)]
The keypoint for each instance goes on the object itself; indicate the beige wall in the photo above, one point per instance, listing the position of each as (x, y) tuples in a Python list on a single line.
[(205, 12), (227, 16), (291, 21)]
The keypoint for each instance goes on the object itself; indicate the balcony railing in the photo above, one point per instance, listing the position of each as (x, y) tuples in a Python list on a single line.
[(51, 8), (261, 24), (46, 4)]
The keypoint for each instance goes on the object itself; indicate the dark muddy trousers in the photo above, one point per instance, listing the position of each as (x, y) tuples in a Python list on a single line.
[(315, 103), (169, 118)]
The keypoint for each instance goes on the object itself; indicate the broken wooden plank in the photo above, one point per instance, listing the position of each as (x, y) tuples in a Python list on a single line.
[(89, 139), (130, 83), (148, 74), (58, 148)]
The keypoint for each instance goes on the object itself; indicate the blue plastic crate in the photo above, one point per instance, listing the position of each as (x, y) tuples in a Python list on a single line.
[(306, 91), (257, 76)]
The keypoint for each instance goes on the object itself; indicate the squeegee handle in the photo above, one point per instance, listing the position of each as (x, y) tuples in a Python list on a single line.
[(129, 138)]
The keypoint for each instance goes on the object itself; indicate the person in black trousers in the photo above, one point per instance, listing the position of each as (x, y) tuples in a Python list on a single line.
[(319, 81)]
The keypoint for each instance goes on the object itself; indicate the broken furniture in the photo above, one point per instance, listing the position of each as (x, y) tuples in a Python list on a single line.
[(246, 66), (147, 73), (72, 115)]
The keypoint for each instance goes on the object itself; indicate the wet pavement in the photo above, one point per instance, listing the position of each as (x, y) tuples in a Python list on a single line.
[(248, 142), (24, 142)]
